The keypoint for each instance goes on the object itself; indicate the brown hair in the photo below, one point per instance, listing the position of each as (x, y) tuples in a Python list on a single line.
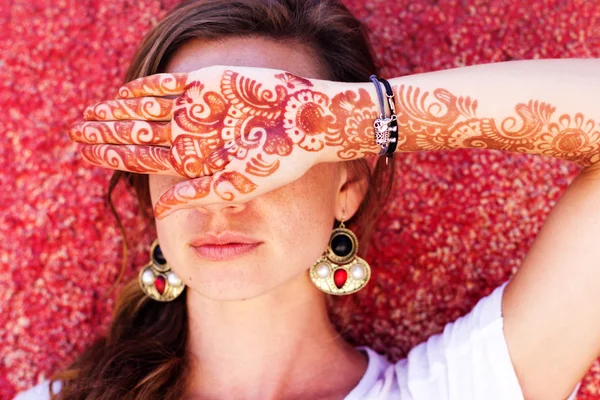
[(143, 355)]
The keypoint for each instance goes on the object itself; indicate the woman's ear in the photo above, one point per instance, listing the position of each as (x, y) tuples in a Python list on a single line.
[(353, 188)]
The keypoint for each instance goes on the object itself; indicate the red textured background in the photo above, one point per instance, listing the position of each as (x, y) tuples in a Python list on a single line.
[(460, 224)]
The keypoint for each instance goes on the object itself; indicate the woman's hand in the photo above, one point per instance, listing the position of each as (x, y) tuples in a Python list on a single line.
[(236, 132)]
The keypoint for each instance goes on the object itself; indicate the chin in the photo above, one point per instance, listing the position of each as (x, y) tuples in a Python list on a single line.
[(229, 291), (234, 280)]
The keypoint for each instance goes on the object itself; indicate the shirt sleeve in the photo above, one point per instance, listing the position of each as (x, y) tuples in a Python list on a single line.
[(469, 360), (39, 392)]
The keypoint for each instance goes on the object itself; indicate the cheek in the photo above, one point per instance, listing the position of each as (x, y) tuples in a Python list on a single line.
[(302, 214)]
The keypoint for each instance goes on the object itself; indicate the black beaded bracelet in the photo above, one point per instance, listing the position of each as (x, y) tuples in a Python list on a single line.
[(394, 120)]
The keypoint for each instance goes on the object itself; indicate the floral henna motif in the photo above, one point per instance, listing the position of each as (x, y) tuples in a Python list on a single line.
[(450, 122), (572, 140), (308, 121)]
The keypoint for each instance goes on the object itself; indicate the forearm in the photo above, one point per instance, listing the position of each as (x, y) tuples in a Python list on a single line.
[(546, 107)]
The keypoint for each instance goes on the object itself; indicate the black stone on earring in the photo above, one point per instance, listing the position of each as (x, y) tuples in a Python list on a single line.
[(158, 257), (341, 245)]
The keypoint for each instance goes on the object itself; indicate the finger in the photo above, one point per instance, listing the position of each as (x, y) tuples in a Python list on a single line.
[(225, 186), (132, 158), (121, 132), (146, 108), (154, 85)]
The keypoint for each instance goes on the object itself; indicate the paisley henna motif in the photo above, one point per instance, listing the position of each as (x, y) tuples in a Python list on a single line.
[(353, 127), (177, 195), (450, 122), (237, 180), (198, 113)]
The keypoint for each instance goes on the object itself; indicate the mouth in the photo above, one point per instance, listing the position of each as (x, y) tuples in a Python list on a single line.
[(221, 252), (223, 246)]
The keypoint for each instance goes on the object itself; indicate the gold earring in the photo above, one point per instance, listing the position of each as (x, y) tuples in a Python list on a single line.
[(156, 278), (339, 271)]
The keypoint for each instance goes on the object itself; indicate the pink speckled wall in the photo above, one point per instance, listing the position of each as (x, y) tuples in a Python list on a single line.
[(460, 224)]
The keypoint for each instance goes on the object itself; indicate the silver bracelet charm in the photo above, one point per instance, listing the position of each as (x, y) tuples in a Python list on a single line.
[(382, 132)]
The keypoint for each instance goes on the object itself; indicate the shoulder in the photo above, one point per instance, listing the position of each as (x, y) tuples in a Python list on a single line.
[(469, 360), (39, 392), (469, 357)]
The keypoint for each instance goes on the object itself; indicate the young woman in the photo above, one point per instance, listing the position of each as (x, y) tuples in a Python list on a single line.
[(261, 134)]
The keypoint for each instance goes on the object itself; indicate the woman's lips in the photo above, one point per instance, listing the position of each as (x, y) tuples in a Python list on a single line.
[(220, 252)]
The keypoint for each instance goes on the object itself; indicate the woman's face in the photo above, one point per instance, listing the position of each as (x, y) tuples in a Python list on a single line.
[(290, 225)]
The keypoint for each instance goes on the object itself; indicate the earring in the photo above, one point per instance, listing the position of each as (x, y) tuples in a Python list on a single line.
[(339, 271), (156, 278)]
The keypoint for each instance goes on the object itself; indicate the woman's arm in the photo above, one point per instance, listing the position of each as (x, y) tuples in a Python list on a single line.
[(551, 307), (238, 132), (546, 107)]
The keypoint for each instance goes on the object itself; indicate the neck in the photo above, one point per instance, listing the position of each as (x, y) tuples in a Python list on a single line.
[(277, 345)]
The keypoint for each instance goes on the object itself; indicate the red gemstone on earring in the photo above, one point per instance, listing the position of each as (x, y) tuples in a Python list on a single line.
[(159, 284), (339, 277)]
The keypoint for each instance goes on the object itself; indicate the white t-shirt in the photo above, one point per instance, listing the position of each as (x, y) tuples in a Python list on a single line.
[(469, 360)]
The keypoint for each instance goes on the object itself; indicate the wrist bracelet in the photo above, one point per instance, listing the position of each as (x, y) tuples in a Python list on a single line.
[(386, 127), (394, 120)]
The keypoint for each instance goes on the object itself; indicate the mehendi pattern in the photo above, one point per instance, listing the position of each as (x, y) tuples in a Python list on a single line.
[(450, 122), (243, 121), (234, 134)]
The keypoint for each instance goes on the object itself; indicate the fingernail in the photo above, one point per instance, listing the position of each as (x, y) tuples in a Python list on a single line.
[(88, 114), (75, 130)]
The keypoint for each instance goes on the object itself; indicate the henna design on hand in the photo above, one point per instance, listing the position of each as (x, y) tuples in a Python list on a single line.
[(235, 140)]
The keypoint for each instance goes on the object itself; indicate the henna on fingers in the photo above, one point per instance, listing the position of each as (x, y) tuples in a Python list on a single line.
[(134, 158), (146, 108), (154, 85), (121, 132)]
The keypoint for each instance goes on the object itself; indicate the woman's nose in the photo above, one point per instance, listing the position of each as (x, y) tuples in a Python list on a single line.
[(223, 207)]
